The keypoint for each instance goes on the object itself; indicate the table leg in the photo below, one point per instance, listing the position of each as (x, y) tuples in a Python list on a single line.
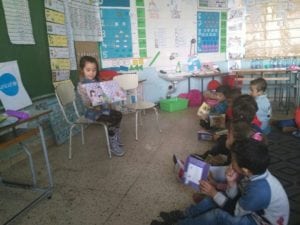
[(45, 152), (30, 163)]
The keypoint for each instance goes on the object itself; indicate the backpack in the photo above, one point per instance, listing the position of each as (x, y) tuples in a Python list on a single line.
[(194, 96)]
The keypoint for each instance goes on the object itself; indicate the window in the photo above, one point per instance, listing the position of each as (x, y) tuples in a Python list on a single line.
[(272, 28)]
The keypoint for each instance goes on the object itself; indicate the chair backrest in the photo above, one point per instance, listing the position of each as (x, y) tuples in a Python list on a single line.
[(127, 81), (65, 91), (65, 94)]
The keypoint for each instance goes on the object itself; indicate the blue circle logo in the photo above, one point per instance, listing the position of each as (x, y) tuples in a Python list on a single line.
[(9, 84)]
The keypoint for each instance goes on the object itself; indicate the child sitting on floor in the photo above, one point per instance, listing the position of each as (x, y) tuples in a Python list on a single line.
[(258, 88), (231, 96), (258, 198), (239, 130), (220, 108), (244, 109), (244, 125)]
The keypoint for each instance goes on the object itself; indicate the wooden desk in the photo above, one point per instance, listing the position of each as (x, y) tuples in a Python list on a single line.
[(11, 135), (281, 76)]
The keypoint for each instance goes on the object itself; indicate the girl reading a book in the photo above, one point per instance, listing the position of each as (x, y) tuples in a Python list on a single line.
[(88, 71)]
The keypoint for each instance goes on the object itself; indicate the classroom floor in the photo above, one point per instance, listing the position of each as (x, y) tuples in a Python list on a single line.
[(93, 189)]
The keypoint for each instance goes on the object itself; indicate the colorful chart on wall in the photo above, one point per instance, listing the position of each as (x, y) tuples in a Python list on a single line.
[(117, 39), (12, 92), (208, 30), (115, 3)]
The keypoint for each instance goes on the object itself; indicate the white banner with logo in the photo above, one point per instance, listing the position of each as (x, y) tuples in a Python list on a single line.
[(12, 92)]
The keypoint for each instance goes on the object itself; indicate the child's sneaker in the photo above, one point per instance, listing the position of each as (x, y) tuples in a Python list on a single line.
[(178, 168), (114, 145), (156, 222), (172, 217), (296, 133)]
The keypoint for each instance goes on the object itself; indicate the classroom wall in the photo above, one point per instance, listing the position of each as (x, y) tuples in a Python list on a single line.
[(32, 59), (35, 67), (155, 88)]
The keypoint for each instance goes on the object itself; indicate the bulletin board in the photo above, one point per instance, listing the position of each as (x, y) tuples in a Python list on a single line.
[(159, 33), (33, 59), (171, 25)]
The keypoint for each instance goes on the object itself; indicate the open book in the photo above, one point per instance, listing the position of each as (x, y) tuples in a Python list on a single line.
[(217, 121), (104, 92), (204, 110), (208, 135), (195, 169)]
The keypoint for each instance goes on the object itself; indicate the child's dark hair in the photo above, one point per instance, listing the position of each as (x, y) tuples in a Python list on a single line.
[(224, 89), (260, 84), (241, 130), (234, 93), (244, 108), (90, 59), (252, 155)]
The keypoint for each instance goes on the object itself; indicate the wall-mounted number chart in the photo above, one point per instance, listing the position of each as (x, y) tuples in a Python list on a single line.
[(116, 29), (208, 31)]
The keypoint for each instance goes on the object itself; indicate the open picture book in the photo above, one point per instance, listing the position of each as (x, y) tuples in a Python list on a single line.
[(217, 120), (104, 92), (195, 169), (208, 135)]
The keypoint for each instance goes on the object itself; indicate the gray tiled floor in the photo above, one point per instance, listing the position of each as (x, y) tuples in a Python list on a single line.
[(93, 189)]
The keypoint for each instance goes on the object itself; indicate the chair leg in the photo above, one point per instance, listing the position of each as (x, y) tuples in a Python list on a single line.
[(140, 119), (82, 134), (107, 141), (136, 124), (70, 141), (157, 119)]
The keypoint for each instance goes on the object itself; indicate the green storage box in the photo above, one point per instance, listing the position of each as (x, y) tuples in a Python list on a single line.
[(173, 104)]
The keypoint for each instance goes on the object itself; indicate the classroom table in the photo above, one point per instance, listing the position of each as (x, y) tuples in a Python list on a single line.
[(172, 76), (296, 85), (202, 76), (283, 78), (11, 133)]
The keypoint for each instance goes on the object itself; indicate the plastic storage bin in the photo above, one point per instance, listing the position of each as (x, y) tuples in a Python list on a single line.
[(173, 104)]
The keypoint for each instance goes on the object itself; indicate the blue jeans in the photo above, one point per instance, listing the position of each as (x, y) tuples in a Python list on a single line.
[(207, 212), (203, 206)]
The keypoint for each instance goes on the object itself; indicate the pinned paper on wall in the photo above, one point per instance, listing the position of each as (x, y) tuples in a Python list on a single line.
[(18, 21), (85, 20), (12, 92)]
